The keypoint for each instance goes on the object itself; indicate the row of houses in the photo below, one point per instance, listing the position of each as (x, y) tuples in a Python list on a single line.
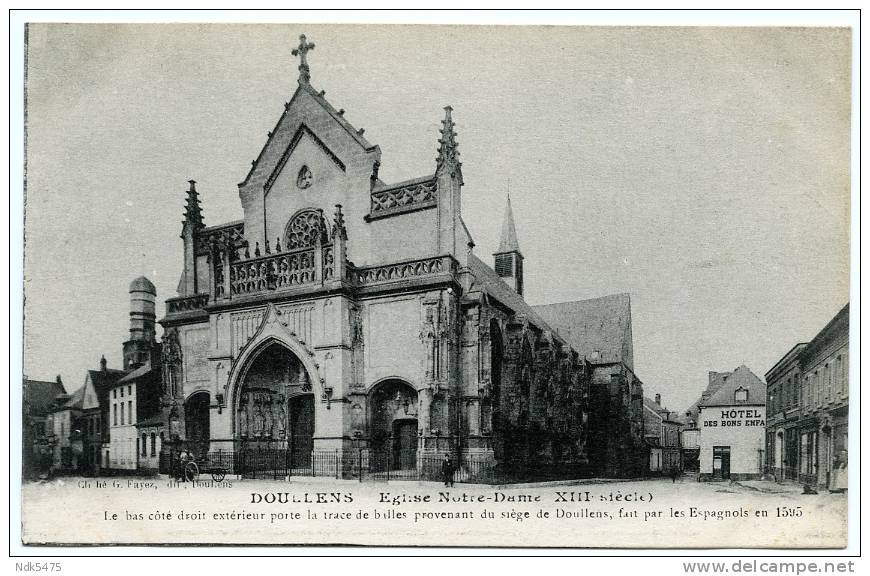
[(808, 410), (104, 424), (791, 426), (39, 400), (663, 430)]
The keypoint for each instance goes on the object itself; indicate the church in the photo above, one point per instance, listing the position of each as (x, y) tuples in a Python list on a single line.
[(350, 317)]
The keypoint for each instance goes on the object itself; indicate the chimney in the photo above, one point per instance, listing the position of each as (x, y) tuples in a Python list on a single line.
[(102, 364), (58, 380), (658, 399)]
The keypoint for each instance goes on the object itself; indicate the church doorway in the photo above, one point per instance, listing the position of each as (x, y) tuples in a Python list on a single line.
[(274, 411), (405, 444), (196, 422), (394, 428), (301, 426)]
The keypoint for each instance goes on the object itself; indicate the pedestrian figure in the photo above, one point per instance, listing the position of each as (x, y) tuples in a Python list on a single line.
[(675, 473), (840, 473), (183, 460), (447, 468), (177, 465)]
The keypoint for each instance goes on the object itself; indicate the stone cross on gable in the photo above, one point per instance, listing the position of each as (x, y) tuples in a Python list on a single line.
[(301, 51)]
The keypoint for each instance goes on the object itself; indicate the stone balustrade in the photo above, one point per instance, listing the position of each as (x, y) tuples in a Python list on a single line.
[(231, 235), (273, 272), (309, 266), (186, 304), (413, 195), (401, 270)]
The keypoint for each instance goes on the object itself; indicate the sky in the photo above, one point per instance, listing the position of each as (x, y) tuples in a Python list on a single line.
[(705, 171)]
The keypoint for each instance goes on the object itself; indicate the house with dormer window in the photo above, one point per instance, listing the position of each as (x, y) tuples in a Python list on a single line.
[(732, 424)]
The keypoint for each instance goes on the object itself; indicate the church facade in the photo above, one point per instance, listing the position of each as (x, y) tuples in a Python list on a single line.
[(347, 316)]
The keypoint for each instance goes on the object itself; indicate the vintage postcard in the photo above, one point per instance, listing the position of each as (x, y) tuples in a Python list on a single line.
[(418, 285)]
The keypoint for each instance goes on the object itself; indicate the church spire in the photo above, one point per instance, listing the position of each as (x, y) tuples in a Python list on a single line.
[(448, 149), (508, 258), (508, 241), (193, 211), (301, 51)]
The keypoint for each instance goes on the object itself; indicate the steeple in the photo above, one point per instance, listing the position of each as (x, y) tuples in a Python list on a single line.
[(448, 149), (508, 258), (193, 211), (508, 241)]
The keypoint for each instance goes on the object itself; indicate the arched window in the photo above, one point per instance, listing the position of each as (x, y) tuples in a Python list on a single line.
[(304, 229), (153, 444), (144, 445)]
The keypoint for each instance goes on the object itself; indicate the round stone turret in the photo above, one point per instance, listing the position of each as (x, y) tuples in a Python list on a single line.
[(142, 284), (143, 295)]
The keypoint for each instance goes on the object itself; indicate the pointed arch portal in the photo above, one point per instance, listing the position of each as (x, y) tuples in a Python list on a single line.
[(394, 424), (274, 406)]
